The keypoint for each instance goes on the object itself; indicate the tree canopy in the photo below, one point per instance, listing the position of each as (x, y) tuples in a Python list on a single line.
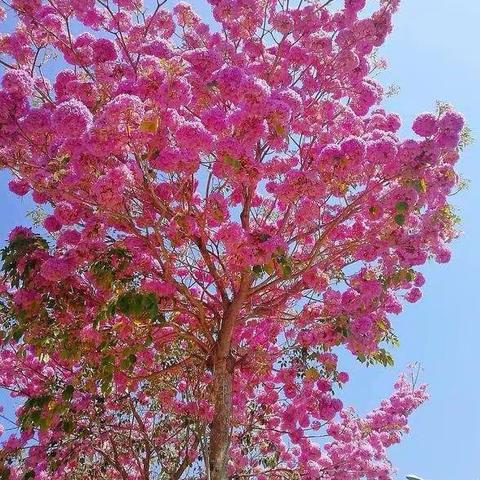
[(226, 207)]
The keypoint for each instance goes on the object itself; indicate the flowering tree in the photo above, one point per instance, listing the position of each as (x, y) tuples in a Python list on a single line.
[(224, 207)]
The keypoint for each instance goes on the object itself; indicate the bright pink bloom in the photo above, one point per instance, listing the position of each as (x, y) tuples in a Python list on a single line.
[(425, 125), (17, 83), (19, 186), (71, 119)]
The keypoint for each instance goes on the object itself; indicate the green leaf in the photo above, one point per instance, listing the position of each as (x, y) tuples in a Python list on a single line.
[(17, 333), (106, 361), (232, 161), (35, 417), (123, 303), (257, 269), (43, 423), (136, 304), (111, 308), (4, 473), (285, 264), (39, 402), (399, 219), (106, 382), (383, 357), (20, 247), (67, 426), (150, 305), (410, 275), (401, 207), (129, 361), (286, 270), (420, 185), (106, 268), (68, 393)]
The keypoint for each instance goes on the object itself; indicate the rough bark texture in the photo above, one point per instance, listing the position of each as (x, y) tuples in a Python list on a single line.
[(221, 424)]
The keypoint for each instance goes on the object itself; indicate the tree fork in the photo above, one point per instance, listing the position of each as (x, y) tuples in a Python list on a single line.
[(223, 370)]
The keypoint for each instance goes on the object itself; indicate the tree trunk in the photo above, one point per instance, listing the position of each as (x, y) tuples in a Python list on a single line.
[(221, 424), (223, 367)]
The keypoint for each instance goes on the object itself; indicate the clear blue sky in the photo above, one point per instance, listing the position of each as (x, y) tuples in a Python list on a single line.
[(432, 56)]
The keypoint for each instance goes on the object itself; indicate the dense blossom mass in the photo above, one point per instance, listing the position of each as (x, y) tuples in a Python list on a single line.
[(225, 207)]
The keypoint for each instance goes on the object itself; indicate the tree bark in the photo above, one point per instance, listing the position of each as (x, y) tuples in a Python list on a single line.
[(223, 370), (221, 424)]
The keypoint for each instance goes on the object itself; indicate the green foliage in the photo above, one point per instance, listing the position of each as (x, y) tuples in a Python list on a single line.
[(258, 270), (68, 426), (281, 261), (68, 393), (12, 327), (401, 275), (128, 361), (233, 162), (106, 374), (285, 265), (466, 138), (380, 357), (401, 207), (38, 412), (341, 325), (136, 304), (4, 473), (392, 90), (419, 185), (37, 215), (448, 216), (32, 413), (442, 106), (107, 268), (270, 460), (19, 248)]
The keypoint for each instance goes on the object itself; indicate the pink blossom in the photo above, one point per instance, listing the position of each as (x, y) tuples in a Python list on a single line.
[(72, 119), (104, 51), (55, 269), (413, 295), (52, 224), (19, 186), (283, 22), (23, 231), (425, 125), (17, 83), (451, 121), (161, 288)]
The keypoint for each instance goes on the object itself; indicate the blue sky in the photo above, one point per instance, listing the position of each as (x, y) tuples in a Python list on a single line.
[(432, 56)]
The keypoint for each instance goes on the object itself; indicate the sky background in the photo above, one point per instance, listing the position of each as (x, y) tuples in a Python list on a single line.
[(433, 55)]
